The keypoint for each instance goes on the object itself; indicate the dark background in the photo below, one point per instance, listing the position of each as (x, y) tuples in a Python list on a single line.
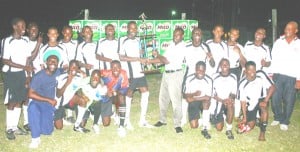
[(246, 14)]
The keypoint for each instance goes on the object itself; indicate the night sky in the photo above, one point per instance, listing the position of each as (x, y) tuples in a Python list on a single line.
[(251, 13)]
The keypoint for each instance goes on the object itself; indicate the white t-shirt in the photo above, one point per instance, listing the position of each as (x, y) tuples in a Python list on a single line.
[(71, 48), (108, 49), (175, 54), (88, 54), (193, 84), (257, 53)]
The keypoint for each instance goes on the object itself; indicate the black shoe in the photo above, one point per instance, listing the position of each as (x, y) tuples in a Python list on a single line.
[(81, 129), (205, 134), (20, 131), (179, 130), (10, 134), (71, 119), (159, 124), (26, 127), (229, 134)]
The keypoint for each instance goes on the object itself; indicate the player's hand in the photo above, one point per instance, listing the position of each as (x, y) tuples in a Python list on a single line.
[(197, 93), (263, 104), (189, 99), (263, 62), (297, 84), (40, 38), (155, 53), (28, 68), (53, 102), (143, 60)]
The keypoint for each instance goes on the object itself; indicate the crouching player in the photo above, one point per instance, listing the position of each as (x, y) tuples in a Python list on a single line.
[(198, 91), (117, 84), (255, 91), (67, 85), (93, 94), (224, 91)]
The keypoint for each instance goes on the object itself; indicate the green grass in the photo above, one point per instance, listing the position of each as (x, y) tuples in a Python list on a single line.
[(157, 139)]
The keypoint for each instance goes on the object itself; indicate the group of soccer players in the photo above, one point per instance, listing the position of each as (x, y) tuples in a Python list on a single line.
[(52, 81)]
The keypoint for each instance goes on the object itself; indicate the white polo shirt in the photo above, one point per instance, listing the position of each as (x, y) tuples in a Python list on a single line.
[(233, 56), (131, 48), (175, 54), (218, 51), (252, 91), (285, 57), (193, 84), (71, 48), (108, 49), (60, 48), (88, 54), (223, 86), (17, 50), (195, 54), (257, 53), (71, 88)]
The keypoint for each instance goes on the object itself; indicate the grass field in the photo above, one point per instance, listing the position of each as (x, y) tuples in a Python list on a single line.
[(157, 139)]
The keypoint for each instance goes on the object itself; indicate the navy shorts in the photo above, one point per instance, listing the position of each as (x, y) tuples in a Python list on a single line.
[(14, 86), (137, 83)]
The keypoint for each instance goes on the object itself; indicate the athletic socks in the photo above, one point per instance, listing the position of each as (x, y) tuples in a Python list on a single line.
[(9, 120), (144, 105), (25, 114), (16, 117), (128, 106), (81, 111), (205, 117)]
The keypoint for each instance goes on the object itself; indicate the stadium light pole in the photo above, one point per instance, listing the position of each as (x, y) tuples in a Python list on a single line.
[(173, 14)]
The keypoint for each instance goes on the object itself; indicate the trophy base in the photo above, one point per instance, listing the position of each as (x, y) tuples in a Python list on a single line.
[(151, 71)]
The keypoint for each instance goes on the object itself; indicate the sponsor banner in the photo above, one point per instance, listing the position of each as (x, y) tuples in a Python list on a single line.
[(77, 26), (96, 27), (146, 28), (163, 29), (123, 27), (184, 24)]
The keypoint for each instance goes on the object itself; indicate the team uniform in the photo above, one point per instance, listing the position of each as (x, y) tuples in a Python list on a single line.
[(252, 92), (41, 113), (234, 60), (193, 84), (115, 84), (60, 48), (36, 64), (86, 53), (257, 53), (218, 51), (71, 47), (16, 50), (108, 49), (223, 87)]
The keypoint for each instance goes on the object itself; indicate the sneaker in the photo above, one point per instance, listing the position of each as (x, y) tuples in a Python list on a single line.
[(229, 134), (10, 134), (284, 127), (275, 123), (81, 129), (96, 129), (121, 131), (205, 134), (145, 124), (20, 131), (35, 143), (71, 119), (243, 128), (178, 130), (159, 124), (128, 125), (26, 127)]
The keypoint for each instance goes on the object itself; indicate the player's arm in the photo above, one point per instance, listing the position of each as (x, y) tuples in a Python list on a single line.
[(103, 58), (157, 58), (34, 95), (244, 111), (60, 91)]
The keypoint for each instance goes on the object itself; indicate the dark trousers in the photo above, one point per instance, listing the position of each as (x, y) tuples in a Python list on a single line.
[(284, 97)]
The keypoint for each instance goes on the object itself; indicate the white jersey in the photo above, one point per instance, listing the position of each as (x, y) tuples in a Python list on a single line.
[(109, 49), (60, 48), (71, 88), (256, 53), (71, 47), (36, 63), (193, 84), (131, 48), (223, 86), (218, 51), (16, 50), (195, 54), (252, 91), (88, 54), (175, 54), (233, 56)]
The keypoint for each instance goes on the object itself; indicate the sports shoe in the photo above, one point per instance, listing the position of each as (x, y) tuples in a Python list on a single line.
[(26, 127), (229, 134), (205, 134), (71, 119), (145, 124), (81, 129), (178, 130), (20, 131), (159, 124), (243, 128), (121, 131), (35, 143), (10, 134), (96, 129), (128, 125), (275, 123), (284, 127)]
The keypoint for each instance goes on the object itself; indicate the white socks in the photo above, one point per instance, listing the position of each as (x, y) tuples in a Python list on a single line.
[(81, 111), (205, 118), (128, 107), (144, 105), (25, 114), (9, 120)]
